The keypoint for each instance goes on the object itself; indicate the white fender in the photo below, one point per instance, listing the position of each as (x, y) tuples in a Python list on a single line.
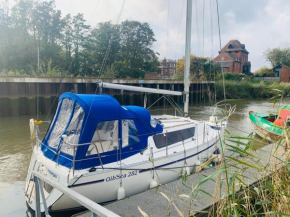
[(32, 129), (121, 193), (186, 170), (153, 184)]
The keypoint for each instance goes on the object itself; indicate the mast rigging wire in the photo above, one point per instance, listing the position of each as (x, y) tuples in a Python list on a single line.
[(212, 49), (181, 15), (68, 68), (119, 16), (197, 29), (203, 28), (218, 16), (110, 41), (168, 2)]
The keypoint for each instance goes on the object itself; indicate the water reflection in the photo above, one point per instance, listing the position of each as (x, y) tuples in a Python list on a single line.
[(16, 148)]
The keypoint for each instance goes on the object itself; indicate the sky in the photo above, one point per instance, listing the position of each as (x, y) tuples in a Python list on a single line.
[(259, 24)]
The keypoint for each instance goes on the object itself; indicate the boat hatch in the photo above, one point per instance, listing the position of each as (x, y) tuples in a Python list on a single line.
[(283, 119), (90, 129)]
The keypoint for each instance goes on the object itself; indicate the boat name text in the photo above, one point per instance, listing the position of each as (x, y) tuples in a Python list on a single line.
[(116, 177)]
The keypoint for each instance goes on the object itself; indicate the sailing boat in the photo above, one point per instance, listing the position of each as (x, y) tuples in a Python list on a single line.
[(107, 152)]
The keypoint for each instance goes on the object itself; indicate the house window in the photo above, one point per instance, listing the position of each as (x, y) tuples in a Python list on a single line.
[(278, 72)]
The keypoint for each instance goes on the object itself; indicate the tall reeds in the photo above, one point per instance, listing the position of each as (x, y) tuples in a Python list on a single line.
[(247, 182)]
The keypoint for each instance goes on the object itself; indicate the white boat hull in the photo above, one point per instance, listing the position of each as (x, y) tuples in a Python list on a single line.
[(106, 184), (102, 186)]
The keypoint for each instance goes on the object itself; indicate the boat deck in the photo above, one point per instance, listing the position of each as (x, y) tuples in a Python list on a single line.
[(154, 204), (173, 121)]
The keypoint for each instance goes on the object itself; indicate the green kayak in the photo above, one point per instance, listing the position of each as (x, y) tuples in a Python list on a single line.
[(271, 127)]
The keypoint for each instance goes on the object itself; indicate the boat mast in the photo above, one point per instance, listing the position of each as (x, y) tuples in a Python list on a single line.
[(187, 56)]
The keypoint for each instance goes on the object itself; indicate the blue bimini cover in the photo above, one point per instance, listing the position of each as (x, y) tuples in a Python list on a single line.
[(106, 131)]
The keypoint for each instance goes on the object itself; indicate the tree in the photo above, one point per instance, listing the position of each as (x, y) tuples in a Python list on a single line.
[(47, 25), (126, 48), (211, 69), (16, 46), (67, 40), (102, 48), (196, 64), (80, 33), (278, 55), (68, 45), (135, 53)]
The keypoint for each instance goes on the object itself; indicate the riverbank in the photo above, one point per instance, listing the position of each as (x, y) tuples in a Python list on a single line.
[(251, 89), (16, 147)]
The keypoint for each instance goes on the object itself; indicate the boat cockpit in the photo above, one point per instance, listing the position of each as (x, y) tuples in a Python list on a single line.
[(90, 130)]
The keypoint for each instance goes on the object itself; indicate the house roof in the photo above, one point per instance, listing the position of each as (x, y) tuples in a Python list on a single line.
[(280, 65), (168, 60), (226, 57), (234, 45)]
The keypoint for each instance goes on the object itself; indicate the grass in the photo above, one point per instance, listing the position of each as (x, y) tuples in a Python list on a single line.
[(46, 69), (269, 196), (251, 89)]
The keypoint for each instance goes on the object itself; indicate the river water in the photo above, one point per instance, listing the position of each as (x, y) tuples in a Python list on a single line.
[(16, 147)]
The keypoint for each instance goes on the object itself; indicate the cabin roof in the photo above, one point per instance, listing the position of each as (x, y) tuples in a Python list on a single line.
[(96, 109), (100, 107)]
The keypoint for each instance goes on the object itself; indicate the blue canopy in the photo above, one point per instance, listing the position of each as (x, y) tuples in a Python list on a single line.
[(78, 116)]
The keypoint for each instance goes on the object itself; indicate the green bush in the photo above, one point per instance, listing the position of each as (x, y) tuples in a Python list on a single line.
[(250, 89), (231, 76)]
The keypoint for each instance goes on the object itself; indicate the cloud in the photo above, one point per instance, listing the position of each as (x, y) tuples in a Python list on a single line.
[(259, 24)]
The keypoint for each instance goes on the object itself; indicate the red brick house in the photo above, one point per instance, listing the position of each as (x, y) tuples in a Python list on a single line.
[(283, 72), (167, 67), (233, 57)]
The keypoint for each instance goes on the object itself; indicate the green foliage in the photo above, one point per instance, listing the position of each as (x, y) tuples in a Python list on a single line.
[(102, 48), (80, 31), (136, 40), (278, 55), (47, 69), (178, 76), (110, 72), (69, 44), (245, 183), (232, 76), (199, 67), (124, 70), (251, 89), (264, 71)]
